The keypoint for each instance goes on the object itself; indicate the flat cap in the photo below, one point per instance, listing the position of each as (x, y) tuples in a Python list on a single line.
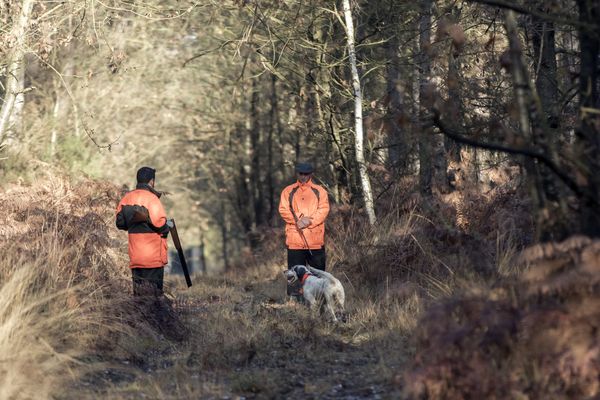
[(304, 168)]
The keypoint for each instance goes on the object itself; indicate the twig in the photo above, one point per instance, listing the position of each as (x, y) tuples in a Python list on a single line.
[(205, 52)]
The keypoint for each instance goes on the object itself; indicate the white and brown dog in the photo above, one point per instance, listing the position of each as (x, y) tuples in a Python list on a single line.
[(318, 287)]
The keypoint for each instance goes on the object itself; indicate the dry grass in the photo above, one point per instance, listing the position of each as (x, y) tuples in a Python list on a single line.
[(66, 306), (247, 340), (64, 292), (533, 338)]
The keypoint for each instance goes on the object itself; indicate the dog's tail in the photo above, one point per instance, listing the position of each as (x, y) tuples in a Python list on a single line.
[(321, 274)]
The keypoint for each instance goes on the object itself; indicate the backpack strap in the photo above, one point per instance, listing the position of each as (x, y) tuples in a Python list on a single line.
[(292, 193), (316, 192)]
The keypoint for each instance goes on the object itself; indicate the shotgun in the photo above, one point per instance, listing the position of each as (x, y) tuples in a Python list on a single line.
[(177, 243)]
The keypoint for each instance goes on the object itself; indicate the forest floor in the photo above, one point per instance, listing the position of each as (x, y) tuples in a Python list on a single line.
[(244, 340), (433, 312)]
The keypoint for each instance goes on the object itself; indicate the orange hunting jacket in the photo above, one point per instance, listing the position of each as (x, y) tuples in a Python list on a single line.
[(147, 236), (304, 200)]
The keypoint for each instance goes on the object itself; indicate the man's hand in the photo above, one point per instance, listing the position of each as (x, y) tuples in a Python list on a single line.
[(304, 222), (166, 228)]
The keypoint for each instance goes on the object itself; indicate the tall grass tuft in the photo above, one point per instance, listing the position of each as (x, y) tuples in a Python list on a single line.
[(64, 290)]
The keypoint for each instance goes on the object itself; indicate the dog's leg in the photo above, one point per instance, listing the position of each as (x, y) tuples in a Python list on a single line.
[(329, 300), (339, 302), (311, 301)]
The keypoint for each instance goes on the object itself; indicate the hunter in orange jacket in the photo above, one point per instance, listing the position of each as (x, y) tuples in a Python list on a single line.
[(147, 233), (304, 206), (304, 200), (142, 215)]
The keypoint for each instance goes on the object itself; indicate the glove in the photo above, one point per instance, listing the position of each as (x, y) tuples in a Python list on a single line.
[(304, 222)]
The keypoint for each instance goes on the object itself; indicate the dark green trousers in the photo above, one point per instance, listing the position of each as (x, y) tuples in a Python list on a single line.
[(148, 281)]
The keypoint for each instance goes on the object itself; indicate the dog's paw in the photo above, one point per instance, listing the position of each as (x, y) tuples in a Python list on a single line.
[(342, 317)]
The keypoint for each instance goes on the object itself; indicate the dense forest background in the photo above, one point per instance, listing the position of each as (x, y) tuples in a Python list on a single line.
[(223, 98), (459, 142)]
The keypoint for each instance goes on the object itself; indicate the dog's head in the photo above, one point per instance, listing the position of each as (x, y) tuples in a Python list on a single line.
[(295, 273)]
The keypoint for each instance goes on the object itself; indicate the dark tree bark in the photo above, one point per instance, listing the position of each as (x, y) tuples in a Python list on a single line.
[(397, 156), (255, 146), (424, 73), (275, 125), (224, 236), (588, 133)]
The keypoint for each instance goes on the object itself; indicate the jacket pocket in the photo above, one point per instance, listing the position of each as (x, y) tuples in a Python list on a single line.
[(164, 253), (315, 236), (292, 237)]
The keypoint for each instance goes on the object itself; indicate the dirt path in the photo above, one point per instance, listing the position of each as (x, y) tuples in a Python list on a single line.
[(246, 341)]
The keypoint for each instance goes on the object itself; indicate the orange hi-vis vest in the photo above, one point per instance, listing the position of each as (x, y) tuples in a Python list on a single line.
[(142, 214), (304, 200)]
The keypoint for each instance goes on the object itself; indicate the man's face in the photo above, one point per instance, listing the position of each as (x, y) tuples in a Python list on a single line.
[(302, 177)]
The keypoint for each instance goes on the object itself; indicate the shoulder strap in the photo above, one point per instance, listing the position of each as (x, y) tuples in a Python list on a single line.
[(292, 193), (314, 189)]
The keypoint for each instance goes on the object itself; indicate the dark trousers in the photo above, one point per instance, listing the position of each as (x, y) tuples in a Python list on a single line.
[(148, 281), (315, 258)]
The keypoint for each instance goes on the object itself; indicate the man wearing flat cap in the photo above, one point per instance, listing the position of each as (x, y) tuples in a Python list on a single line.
[(304, 207), (142, 215)]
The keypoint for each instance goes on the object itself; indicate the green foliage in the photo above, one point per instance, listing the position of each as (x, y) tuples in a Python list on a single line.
[(77, 156)]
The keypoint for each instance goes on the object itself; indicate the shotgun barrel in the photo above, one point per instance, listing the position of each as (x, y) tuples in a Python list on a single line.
[(177, 243)]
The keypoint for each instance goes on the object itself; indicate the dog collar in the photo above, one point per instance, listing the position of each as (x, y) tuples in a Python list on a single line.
[(305, 277)]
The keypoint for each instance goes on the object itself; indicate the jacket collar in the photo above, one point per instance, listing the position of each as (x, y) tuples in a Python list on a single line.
[(145, 186), (308, 183)]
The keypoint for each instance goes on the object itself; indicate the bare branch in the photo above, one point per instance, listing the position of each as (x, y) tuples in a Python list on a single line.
[(535, 154), (521, 9)]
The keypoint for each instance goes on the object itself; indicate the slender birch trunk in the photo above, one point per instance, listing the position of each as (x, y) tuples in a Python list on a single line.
[(14, 84), (358, 119), (54, 133)]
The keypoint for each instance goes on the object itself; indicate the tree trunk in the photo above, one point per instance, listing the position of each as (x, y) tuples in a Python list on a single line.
[(426, 136), (224, 237), (202, 257), (588, 133), (10, 113), (462, 161), (55, 119), (546, 82), (521, 86), (256, 184), (397, 153), (358, 119), (270, 172), (547, 96)]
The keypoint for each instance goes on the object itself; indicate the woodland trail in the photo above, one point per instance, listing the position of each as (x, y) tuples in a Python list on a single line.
[(246, 341)]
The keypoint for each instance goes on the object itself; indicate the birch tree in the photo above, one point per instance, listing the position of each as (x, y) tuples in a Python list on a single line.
[(358, 119), (15, 72)]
